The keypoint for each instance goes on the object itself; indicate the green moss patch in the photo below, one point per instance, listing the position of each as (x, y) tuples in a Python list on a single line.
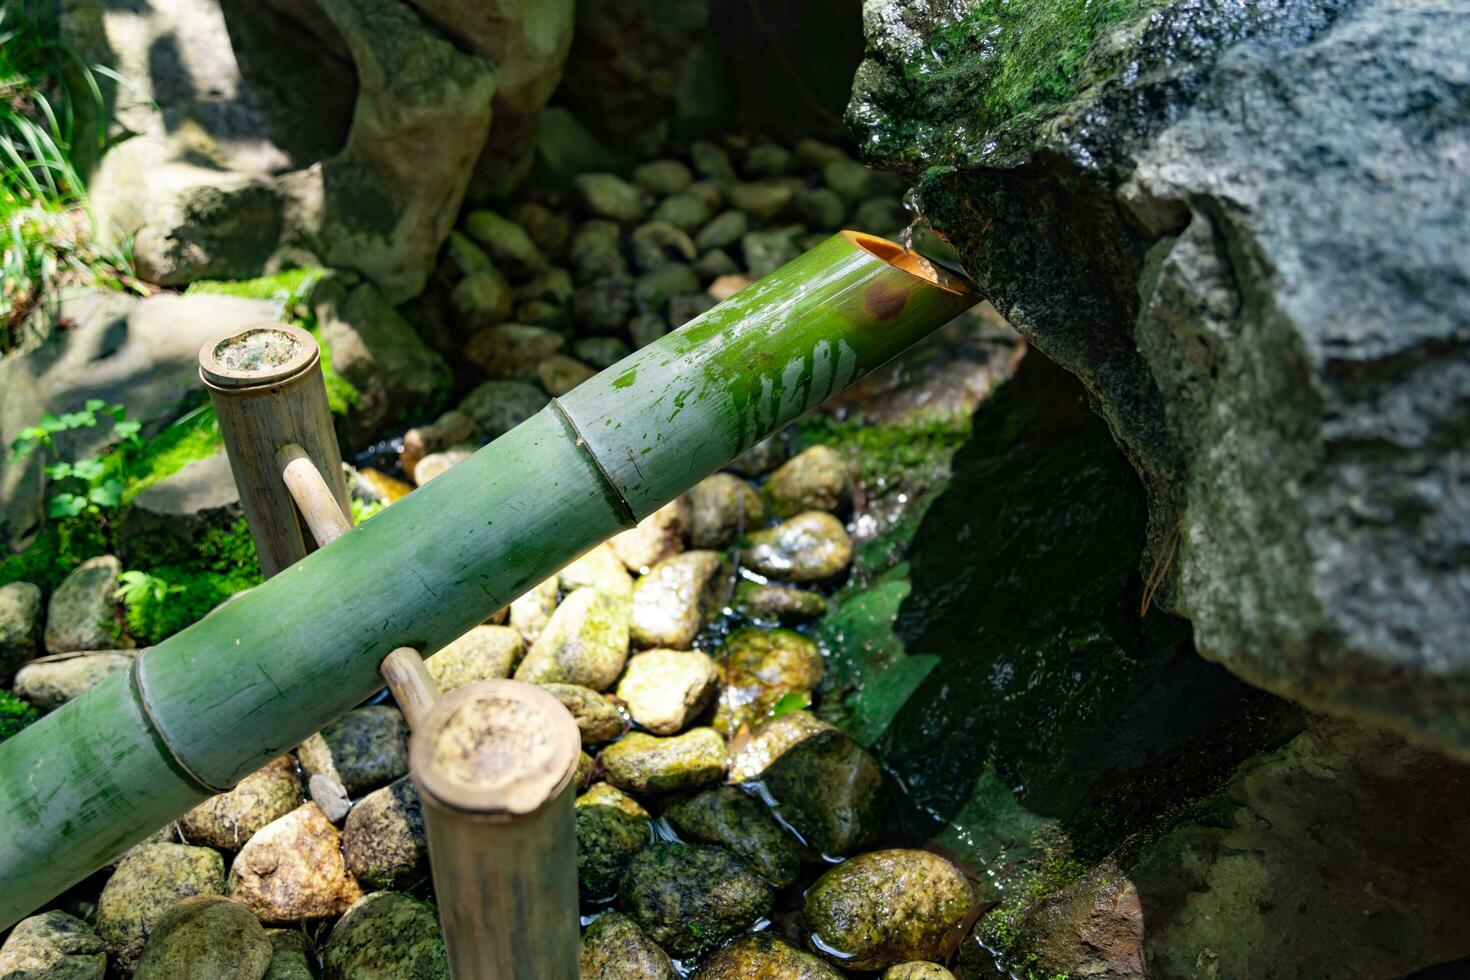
[(15, 714)]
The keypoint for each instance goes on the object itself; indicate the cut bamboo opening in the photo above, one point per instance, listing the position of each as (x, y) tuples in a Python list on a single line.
[(495, 763)]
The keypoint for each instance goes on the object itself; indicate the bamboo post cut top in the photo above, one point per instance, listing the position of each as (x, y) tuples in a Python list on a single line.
[(495, 763)]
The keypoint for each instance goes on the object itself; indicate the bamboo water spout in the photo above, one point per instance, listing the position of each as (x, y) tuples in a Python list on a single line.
[(210, 705)]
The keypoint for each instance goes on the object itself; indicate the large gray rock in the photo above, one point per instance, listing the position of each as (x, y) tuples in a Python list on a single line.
[(20, 624), (1241, 226), (199, 496), (142, 353), (82, 613)]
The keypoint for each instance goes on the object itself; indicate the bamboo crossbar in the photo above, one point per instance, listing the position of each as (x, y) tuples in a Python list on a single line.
[(206, 707)]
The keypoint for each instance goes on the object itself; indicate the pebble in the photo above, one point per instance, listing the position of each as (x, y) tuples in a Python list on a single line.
[(809, 547), (467, 257), (506, 243), (752, 752), (364, 749), (821, 208), (481, 299), (601, 352), (20, 624), (383, 841), (453, 428), (658, 536), (559, 374), (665, 690), (726, 286), (763, 957), (484, 653), (779, 604), (917, 970), (686, 307), (205, 936), (548, 229), (437, 464), (585, 642), (764, 200), (594, 251), (82, 614), (614, 948), (742, 825), (512, 350), (604, 304), (830, 790), (817, 478), (709, 192), (293, 869), (604, 195), (291, 955), (600, 569), (611, 828), (228, 820), (714, 264), (710, 160), (645, 328), (724, 230), (641, 763), (597, 719), (55, 946), (691, 897), (386, 936), (653, 290), (148, 881), (816, 154), (658, 243), (763, 457), (766, 251), (677, 597), (760, 667), (769, 160), (530, 613), (687, 212), (496, 407), (887, 907), (884, 216), (857, 183), (662, 177), (721, 507), (50, 682)]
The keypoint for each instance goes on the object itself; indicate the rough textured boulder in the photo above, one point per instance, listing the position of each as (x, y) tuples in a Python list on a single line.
[(1241, 225)]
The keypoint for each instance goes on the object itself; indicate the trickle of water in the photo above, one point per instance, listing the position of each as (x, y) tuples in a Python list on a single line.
[(911, 203)]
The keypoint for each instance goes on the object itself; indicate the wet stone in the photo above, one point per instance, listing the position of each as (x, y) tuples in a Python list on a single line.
[(600, 569), (665, 690), (496, 407), (20, 624), (228, 820), (830, 790), (722, 507), (82, 611), (585, 642), (686, 307), (609, 196), (760, 667), (604, 304), (585, 767), (594, 251), (752, 752), (815, 479), (291, 955), (767, 251), (484, 653), (821, 208), (917, 970), (559, 374), (653, 290), (645, 328), (293, 869), (148, 881), (53, 946), (689, 898), (763, 457), (810, 547), (386, 936), (506, 243), (481, 299), (641, 763), (437, 464), (779, 603), (710, 160), (677, 597), (364, 749), (205, 936), (742, 825), (687, 212), (611, 828), (724, 230), (715, 264), (763, 200), (658, 536), (601, 352), (50, 682), (549, 230), (662, 177), (726, 286), (887, 907), (453, 428), (884, 216), (597, 719), (512, 350), (530, 613), (614, 948), (764, 957), (769, 160), (658, 243), (383, 841)]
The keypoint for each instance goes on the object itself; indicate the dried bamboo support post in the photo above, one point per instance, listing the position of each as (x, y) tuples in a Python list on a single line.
[(495, 762), (213, 703), (412, 685), (314, 498), (266, 385)]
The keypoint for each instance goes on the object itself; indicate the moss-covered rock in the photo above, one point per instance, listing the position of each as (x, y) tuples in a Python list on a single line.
[(742, 825), (887, 907), (666, 689), (642, 763), (809, 547), (600, 569), (830, 790), (658, 536), (386, 936), (585, 642), (663, 177), (779, 604), (512, 350), (752, 752), (689, 898), (228, 820), (292, 956), (818, 478), (611, 828), (506, 243), (721, 507), (20, 624), (364, 749), (484, 653), (148, 881), (205, 936), (658, 243), (82, 613), (614, 948), (763, 957), (603, 195), (53, 946), (687, 212), (383, 840), (677, 597), (598, 720), (530, 612), (917, 970), (759, 668), (723, 231)]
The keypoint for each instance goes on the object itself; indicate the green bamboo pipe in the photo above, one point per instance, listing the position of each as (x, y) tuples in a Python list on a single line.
[(250, 681)]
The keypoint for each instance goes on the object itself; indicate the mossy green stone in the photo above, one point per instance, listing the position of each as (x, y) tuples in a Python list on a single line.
[(723, 231), (743, 825), (585, 642), (611, 828), (386, 936), (917, 970), (383, 840), (817, 478), (759, 667), (365, 748), (689, 898), (53, 946), (779, 604), (830, 790), (764, 957), (722, 507), (887, 907), (810, 547), (205, 936), (614, 948), (149, 881), (597, 719), (641, 763)]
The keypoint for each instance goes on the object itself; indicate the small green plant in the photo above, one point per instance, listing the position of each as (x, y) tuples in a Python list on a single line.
[(791, 701), (88, 485), (15, 714)]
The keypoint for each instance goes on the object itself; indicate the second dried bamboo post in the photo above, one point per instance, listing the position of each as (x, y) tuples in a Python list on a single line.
[(495, 763)]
